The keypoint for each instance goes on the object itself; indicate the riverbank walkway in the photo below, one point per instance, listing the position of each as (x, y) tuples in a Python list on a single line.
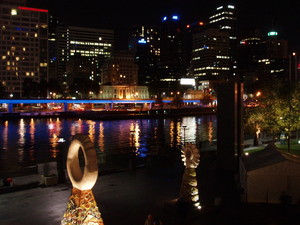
[(127, 197)]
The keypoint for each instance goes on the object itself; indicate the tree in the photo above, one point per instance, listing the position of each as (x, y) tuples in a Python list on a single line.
[(2, 90), (30, 88), (159, 101), (177, 101), (278, 112), (206, 98)]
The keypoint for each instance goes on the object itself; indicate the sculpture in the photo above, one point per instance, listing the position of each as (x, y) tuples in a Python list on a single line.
[(189, 191), (82, 208)]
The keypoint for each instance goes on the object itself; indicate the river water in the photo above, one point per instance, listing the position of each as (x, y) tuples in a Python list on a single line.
[(26, 142)]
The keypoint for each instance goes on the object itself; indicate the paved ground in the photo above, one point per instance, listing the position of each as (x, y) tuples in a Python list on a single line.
[(126, 198)]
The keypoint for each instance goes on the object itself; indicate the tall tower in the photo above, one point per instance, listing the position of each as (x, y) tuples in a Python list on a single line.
[(144, 43), (211, 54), (73, 43), (224, 18), (24, 46), (172, 66)]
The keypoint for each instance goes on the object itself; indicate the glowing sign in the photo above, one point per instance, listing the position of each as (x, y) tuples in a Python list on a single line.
[(165, 18), (187, 81), (272, 33), (142, 41), (33, 9), (175, 17)]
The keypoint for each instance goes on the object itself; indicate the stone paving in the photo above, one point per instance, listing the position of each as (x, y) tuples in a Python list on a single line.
[(127, 197)]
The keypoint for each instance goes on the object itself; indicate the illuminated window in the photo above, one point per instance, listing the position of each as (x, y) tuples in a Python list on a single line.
[(14, 12)]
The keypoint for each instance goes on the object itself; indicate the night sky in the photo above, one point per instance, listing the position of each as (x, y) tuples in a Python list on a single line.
[(283, 16)]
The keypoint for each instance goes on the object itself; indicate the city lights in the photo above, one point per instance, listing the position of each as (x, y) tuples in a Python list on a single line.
[(272, 33)]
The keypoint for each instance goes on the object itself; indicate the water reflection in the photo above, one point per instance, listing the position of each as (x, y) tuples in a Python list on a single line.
[(5, 135), (21, 141), (39, 139), (101, 136), (54, 136)]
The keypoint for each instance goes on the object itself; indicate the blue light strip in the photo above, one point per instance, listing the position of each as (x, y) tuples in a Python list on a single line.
[(70, 101)]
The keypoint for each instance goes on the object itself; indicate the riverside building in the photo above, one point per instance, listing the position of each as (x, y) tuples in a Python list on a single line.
[(24, 46)]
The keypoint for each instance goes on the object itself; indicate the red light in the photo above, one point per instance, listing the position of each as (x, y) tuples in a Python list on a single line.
[(33, 9), (201, 23), (298, 66)]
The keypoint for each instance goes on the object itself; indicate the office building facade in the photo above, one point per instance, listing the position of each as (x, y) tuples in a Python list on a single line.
[(144, 44), (75, 43), (24, 46), (121, 69)]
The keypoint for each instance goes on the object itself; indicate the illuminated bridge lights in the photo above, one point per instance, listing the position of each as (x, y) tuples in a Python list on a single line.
[(83, 101)]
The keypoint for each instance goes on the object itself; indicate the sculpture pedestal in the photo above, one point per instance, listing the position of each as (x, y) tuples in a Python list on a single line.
[(82, 209)]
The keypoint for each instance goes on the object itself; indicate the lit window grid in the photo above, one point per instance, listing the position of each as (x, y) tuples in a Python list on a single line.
[(21, 61)]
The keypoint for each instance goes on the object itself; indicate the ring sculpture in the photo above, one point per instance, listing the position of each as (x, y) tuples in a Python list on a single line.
[(189, 190), (82, 208)]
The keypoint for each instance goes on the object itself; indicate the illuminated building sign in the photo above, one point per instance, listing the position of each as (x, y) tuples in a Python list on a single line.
[(142, 41), (272, 33), (187, 81), (33, 9)]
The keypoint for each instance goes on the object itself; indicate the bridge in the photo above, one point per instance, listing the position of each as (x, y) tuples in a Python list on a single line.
[(67, 103)]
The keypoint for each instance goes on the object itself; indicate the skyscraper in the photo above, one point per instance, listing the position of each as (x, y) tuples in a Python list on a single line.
[(24, 46), (144, 43), (172, 65), (211, 54), (93, 44), (214, 46)]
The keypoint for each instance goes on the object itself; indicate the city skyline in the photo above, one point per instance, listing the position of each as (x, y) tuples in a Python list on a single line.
[(279, 16)]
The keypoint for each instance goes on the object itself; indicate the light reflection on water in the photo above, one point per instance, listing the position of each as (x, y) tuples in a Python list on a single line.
[(29, 141)]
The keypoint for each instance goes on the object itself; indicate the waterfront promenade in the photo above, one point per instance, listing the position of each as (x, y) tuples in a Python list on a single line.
[(127, 197)]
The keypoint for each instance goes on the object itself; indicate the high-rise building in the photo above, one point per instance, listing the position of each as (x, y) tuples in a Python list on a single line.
[(144, 43), (53, 23), (172, 65), (24, 46), (224, 18), (261, 59), (121, 69), (96, 45), (211, 54)]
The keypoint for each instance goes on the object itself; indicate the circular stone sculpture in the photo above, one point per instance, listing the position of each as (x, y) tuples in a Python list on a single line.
[(82, 208), (87, 179)]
